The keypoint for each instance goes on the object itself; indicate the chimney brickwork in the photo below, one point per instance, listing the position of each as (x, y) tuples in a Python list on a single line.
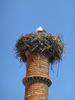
[(37, 78)]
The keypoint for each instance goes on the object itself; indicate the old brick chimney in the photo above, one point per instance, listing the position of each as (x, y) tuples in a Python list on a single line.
[(38, 50), (37, 78)]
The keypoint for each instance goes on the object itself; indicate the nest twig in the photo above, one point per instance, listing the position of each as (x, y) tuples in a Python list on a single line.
[(41, 42)]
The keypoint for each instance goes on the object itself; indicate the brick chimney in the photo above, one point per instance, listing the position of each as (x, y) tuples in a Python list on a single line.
[(38, 50), (37, 78)]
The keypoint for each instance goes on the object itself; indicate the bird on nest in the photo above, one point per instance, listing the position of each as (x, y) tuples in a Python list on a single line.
[(40, 29)]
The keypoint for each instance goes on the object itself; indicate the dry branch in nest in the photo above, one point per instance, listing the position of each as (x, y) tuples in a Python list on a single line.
[(46, 43)]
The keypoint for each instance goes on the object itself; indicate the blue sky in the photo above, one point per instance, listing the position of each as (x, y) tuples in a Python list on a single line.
[(24, 16)]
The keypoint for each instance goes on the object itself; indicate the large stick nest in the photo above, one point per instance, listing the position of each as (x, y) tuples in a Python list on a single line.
[(46, 43)]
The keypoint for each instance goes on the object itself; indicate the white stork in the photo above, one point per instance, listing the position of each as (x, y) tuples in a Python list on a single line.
[(40, 29)]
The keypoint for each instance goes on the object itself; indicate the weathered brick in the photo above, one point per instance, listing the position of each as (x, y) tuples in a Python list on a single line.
[(37, 65)]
